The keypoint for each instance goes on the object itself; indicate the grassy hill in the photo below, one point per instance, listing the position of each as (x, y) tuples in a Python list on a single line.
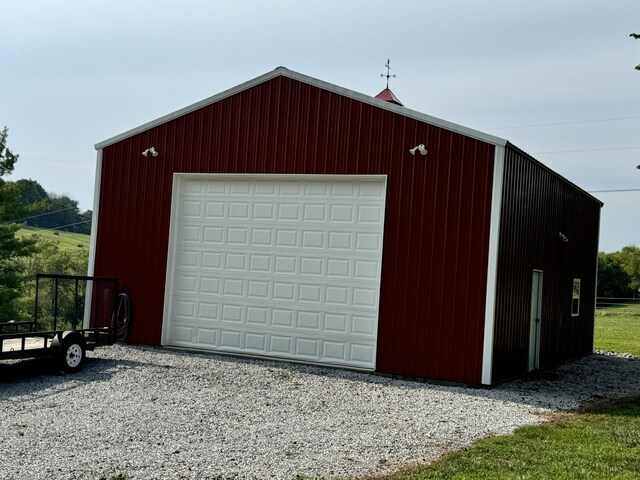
[(71, 241)]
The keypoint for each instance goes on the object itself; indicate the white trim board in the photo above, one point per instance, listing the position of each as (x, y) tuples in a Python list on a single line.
[(595, 290), (93, 238), (171, 253), (492, 265)]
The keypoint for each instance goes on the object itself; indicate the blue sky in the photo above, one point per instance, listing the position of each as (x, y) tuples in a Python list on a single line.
[(555, 78)]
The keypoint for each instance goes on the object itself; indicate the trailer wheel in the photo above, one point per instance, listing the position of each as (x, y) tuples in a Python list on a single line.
[(72, 352)]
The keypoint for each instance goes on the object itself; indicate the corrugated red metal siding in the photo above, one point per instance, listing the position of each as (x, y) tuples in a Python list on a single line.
[(437, 211), (537, 206)]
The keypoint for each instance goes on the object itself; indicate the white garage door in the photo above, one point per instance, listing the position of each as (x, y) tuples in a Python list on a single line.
[(278, 266)]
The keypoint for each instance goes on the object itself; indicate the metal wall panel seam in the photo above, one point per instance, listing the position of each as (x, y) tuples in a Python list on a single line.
[(423, 278), (283, 126), (463, 341), (458, 192), (399, 249), (410, 305), (302, 123), (396, 173), (446, 210), (314, 121), (433, 320), (419, 193), (492, 264)]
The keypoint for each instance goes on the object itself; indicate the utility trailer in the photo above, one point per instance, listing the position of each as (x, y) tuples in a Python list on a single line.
[(104, 321)]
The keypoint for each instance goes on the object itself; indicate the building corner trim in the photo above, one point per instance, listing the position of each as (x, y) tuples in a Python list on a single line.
[(93, 239), (595, 293), (492, 265), (171, 247)]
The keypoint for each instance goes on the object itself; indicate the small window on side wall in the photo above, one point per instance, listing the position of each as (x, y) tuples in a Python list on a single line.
[(575, 298)]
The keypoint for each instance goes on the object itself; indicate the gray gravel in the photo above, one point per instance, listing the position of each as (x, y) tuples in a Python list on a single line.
[(147, 413)]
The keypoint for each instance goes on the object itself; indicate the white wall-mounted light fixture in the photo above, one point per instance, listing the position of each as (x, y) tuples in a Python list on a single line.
[(563, 237), (418, 148), (151, 151)]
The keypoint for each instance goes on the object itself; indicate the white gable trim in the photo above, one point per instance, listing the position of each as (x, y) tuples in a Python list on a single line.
[(317, 83), (94, 214)]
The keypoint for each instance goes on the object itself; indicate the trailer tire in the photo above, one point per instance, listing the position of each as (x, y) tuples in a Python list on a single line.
[(72, 352)]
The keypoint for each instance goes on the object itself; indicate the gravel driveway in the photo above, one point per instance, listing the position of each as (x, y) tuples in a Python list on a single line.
[(144, 412)]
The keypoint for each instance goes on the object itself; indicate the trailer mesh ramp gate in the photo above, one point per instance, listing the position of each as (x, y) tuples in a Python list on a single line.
[(64, 323)]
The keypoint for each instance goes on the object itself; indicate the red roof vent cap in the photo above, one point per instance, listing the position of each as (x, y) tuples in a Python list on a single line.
[(388, 96)]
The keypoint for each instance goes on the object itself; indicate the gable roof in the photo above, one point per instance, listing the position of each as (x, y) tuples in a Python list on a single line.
[(282, 71)]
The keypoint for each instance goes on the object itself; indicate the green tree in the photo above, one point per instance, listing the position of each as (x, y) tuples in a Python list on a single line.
[(613, 280), (85, 226), (7, 158), (32, 195), (68, 212), (12, 278), (38, 208), (24, 198), (12, 249), (630, 261)]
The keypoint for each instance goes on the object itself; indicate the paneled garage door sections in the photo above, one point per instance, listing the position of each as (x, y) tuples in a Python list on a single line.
[(276, 266)]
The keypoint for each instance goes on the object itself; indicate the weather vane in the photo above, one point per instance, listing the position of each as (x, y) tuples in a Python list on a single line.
[(388, 65)]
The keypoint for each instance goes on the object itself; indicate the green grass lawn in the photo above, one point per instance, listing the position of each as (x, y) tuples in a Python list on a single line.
[(618, 329), (67, 240), (601, 442)]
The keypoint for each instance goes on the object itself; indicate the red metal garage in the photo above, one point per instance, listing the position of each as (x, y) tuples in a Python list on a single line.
[(287, 218)]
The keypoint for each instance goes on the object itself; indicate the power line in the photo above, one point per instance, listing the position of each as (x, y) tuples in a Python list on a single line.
[(40, 215), (558, 124), (588, 150), (64, 226)]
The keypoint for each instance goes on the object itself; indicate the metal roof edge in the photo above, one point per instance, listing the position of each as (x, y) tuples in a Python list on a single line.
[(190, 108), (400, 109), (553, 172), (282, 71)]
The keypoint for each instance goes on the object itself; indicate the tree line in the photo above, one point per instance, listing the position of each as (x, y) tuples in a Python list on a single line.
[(21, 257), (619, 273), (35, 207)]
